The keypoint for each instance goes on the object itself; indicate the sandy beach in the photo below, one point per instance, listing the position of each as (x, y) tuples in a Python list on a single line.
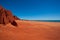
[(30, 30)]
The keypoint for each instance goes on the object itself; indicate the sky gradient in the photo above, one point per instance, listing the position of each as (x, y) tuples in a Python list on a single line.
[(33, 9)]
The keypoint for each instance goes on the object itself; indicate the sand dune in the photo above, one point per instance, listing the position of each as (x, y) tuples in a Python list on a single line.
[(30, 30)]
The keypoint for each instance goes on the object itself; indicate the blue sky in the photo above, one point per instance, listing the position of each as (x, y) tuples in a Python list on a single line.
[(34, 9)]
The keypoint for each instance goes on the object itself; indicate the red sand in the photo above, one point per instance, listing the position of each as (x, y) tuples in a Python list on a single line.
[(30, 30)]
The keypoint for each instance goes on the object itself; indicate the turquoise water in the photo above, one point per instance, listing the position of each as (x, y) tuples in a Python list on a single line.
[(48, 20)]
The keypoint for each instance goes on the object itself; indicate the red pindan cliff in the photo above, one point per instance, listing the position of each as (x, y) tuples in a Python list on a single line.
[(7, 17)]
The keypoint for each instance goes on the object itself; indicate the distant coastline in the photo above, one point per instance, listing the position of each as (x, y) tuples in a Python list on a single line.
[(47, 20)]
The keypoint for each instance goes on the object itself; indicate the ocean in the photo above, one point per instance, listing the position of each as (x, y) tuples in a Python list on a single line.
[(47, 20)]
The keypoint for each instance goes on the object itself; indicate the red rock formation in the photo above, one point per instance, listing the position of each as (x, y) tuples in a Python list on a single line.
[(7, 17), (15, 17)]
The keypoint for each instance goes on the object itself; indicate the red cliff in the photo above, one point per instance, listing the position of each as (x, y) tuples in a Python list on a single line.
[(7, 17)]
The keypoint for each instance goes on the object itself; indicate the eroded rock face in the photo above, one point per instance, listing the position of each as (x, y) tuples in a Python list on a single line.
[(7, 17)]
